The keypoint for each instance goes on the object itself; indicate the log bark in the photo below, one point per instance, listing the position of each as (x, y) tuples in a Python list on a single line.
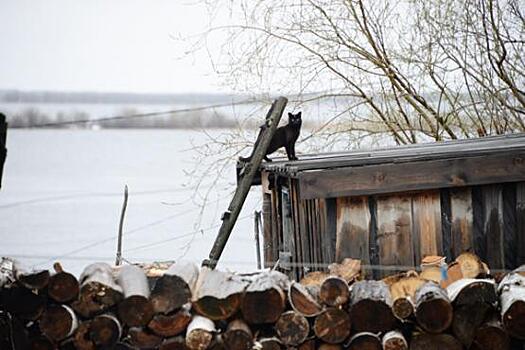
[(176, 343), (512, 298), (143, 339), (63, 287), (394, 340), (332, 326), (170, 325), (292, 328), (433, 308), (470, 291), (403, 291), (136, 309), (174, 289), (98, 290), (82, 339), (264, 300), (370, 307), (22, 302), (105, 330), (218, 294), (427, 341), (238, 336), (334, 291), (364, 341), (304, 299), (199, 333), (58, 322)]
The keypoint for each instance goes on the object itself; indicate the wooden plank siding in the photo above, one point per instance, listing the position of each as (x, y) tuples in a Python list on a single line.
[(422, 175), (394, 231), (461, 221), (426, 221), (520, 223)]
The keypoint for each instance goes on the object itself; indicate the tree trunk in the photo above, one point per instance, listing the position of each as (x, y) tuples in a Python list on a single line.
[(265, 299), (394, 340), (512, 297), (170, 325), (491, 335), (433, 309), (370, 307), (58, 322), (136, 309), (218, 294), (174, 288), (334, 291), (427, 341), (143, 339), (63, 287), (98, 290), (304, 299), (199, 333), (238, 336), (292, 328), (364, 341), (332, 326), (105, 330)]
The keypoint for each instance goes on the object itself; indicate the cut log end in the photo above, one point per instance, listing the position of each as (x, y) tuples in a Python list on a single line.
[(434, 316), (364, 341), (177, 343), (95, 298), (304, 299), (334, 291), (143, 339), (105, 330), (169, 293), (403, 308), (292, 328), (170, 325), (264, 306), (332, 326), (82, 339), (427, 341), (372, 316), (58, 322), (394, 340), (217, 309), (135, 311), (514, 319), (63, 287)]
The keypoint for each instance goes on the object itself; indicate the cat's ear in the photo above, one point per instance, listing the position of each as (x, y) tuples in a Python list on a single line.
[(290, 115), (299, 114)]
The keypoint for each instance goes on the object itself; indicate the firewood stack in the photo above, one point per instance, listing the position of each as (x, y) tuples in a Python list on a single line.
[(459, 306)]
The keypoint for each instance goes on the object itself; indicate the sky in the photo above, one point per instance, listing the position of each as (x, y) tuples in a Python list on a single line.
[(104, 46)]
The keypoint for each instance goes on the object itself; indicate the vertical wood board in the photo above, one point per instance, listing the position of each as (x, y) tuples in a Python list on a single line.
[(520, 223), (426, 217), (493, 229), (461, 221)]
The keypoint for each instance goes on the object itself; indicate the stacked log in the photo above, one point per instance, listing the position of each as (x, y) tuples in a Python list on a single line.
[(191, 308)]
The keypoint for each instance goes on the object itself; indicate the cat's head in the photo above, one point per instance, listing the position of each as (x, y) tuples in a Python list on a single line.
[(294, 119)]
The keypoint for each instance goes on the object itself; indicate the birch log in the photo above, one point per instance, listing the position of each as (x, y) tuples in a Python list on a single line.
[(433, 308), (175, 343), (136, 309), (105, 330), (265, 299), (332, 326), (370, 307), (58, 322), (238, 336), (62, 287), (174, 288), (334, 291), (218, 294), (304, 299), (512, 298), (292, 328), (98, 290), (199, 334)]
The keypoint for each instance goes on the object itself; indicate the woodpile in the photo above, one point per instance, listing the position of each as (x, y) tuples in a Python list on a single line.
[(192, 308)]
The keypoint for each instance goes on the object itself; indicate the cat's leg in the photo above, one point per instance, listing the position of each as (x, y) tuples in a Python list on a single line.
[(288, 152), (292, 152)]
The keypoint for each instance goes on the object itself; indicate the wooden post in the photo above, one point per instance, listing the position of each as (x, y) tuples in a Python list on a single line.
[(256, 225), (3, 141), (118, 260), (230, 216)]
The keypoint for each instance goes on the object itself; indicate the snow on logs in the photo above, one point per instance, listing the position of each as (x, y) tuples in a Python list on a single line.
[(193, 308)]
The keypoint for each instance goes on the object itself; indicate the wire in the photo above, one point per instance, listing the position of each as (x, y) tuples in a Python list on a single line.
[(142, 115)]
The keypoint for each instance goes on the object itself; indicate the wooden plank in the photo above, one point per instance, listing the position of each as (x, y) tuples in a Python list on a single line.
[(461, 221), (372, 240), (394, 177), (520, 223), (288, 234), (426, 217), (394, 232), (446, 223), (493, 225), (230, 216), (268, 253), (298, 234), (331, 228), (478, 232), (510, 239), (353, 222)]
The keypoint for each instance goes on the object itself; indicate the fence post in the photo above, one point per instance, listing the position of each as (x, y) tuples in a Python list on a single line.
[(3, 142)]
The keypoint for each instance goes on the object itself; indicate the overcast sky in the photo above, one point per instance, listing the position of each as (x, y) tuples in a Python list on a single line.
[(103, 45)]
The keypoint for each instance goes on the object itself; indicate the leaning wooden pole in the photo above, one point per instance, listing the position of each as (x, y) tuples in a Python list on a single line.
[(230, 216), (118, 260), (3, 142), (256, 224)]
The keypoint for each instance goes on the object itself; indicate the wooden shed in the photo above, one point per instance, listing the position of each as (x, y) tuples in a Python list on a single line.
[(391, 207)]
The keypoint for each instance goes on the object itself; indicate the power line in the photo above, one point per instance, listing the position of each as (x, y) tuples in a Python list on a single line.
[(142, 115)]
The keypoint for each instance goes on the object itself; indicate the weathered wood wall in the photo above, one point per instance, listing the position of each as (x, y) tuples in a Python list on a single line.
[(395, 231)]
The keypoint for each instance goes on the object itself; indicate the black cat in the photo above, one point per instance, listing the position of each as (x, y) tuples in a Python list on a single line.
[(285, 136)]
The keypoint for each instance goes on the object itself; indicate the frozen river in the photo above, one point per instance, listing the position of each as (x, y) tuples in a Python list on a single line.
[(62, 194)]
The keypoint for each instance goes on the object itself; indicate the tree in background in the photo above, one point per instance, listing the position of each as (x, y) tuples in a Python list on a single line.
[(414, 70)]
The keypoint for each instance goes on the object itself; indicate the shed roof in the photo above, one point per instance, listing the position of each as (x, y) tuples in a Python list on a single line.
[(494, 159)]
